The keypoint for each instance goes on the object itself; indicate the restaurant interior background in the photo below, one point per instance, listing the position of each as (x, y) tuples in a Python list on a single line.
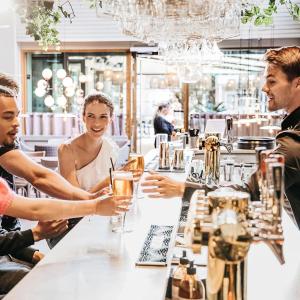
[(98, 57), (94, 55)]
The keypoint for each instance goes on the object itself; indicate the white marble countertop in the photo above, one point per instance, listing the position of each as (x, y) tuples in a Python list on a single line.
[(91, 262)]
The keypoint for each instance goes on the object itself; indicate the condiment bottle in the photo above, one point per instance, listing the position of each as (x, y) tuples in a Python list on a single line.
[(190, 287), (179, 274)]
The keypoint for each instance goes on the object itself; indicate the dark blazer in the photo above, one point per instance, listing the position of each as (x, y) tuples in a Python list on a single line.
[(161, 125)]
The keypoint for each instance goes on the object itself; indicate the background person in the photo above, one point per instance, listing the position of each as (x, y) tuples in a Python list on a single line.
[(161, 123)]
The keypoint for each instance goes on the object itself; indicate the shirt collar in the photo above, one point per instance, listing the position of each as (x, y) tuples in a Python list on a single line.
[(291, 120)]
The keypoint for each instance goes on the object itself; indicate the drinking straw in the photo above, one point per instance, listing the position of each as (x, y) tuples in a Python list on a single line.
[(112, 164), (110, 177)]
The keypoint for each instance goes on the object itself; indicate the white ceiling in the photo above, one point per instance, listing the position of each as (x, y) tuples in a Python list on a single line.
[(87, 27)]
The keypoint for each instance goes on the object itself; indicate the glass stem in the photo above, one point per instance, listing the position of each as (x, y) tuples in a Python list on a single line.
[(124, 218)]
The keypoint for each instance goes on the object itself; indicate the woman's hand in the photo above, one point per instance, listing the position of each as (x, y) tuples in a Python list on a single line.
[(162, 186), (112, 205)]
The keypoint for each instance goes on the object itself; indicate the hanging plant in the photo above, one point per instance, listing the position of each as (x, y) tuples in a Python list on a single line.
[(41, 24), (41, 19), (264, 15)]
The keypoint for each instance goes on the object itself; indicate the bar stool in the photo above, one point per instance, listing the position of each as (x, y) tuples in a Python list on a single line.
[(23, 186)]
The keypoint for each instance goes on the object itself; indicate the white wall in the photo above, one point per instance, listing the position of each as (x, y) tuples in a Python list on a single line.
[(9, 54), (8, 45)]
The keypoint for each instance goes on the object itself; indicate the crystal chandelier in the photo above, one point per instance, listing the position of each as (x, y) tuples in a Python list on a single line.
[(186, 31)]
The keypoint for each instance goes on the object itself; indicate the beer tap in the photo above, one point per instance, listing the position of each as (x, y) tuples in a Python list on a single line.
[(228, 222), (228, 143), (212, 158)]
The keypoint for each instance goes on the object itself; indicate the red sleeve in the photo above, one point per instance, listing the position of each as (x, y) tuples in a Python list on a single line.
[(6, 196)]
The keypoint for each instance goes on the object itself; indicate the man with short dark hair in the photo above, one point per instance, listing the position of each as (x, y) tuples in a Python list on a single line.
[(13, 242), (282, 87)]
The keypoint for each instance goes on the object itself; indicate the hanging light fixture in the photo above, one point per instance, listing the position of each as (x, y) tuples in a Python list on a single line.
[(66, 85), (40, 92), (61, 74), (69, 91), (49, 101), (107, 74), (42, 84), (83, 78), (99, 85), (62, 101), (47, 74), (186, 31), (117, 77), (67, 82)]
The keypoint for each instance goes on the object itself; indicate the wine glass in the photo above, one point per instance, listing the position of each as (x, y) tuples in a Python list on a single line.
[(122, 185), (136, 166)]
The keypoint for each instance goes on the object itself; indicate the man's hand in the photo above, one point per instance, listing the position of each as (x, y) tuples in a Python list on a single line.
[(37, 256), (45, 230), (112, 205), (162, 186), (137, 174)]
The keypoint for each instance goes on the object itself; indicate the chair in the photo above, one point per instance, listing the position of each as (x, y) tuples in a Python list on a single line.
[(25, 147), (35, 153), (51, 150), (23, 186), (50, 162)]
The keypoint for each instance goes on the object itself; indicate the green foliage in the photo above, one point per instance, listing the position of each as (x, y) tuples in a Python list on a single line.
[(92, 3), (264, 16), (41, 25), (41, 22)]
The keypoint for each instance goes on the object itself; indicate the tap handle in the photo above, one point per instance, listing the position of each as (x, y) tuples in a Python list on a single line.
[(229, 123)]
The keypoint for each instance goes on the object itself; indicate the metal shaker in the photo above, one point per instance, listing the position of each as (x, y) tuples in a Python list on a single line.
[(183, 140), (194, 142), (194, 138), (164, 156), (178, 163)]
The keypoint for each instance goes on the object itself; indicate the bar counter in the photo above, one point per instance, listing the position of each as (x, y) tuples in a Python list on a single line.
[(91, 262)]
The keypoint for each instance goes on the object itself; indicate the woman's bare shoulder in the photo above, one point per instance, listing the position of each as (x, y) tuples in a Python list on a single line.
[(71, 144)]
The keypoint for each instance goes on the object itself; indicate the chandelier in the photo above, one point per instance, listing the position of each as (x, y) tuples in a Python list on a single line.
[(186, 31), (66, 87)]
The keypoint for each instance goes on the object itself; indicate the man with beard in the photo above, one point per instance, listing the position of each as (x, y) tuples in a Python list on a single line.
[(14, 243)]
